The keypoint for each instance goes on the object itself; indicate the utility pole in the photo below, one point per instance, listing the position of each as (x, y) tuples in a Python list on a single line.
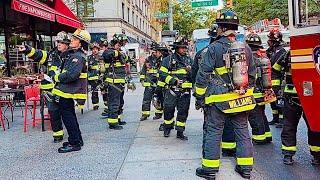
[(170, 19)]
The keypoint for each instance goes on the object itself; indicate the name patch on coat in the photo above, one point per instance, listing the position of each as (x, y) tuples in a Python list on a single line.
[(241, 102)]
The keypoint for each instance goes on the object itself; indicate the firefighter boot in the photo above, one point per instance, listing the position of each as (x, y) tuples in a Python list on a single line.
[(144, 117), (315, 161), (287, 160), (161, 127), (69, 148), (243, 172), (115, 127), (57, 139), (207, 173), (96, 107), (157, 116), (181, 136), (67, 143), (166, 132), (122, 122)]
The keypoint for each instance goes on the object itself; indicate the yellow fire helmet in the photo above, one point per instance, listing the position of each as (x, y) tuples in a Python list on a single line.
[(82, 35)]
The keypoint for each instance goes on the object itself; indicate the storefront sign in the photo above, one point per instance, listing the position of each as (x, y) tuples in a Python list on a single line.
[(32, 10)]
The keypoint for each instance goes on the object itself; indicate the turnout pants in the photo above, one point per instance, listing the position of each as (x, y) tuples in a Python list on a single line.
[(120, 112), (181, 101), (212, 134), (147, 98), (95, 92), (115, 99), (292, 115), (66, 111), (276, 111), (228, 144), (104, 92), (259, 124)]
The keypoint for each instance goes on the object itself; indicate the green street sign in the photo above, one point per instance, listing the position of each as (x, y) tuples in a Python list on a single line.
[(160, 15), (204, 3)]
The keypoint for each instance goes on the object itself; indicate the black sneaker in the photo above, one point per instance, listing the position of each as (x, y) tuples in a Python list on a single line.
[(69, 148), (67, 143), (115, 127), (207, 173), (315, 161), (57, 139), (144, 117), (181, 136), (243, 173), (166, 132), (287, 160)]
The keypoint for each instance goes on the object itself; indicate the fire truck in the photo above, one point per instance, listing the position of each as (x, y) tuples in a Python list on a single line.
[(304, 25)]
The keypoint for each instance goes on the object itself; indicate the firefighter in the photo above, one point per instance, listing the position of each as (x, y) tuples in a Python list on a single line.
[(224, 88), (149, 79), (176, 72), (103, 67), (52, 61), (115, 77), (292, 114), (276, 53), (93, 74), (263, 93)]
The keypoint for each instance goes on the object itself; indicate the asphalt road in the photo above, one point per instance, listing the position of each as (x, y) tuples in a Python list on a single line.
[(137, 152)]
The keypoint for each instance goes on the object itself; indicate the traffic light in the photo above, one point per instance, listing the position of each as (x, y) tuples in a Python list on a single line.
[(229, 4)]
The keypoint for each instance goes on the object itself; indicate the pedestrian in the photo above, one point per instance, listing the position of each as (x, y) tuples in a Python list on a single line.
[(227, 96)]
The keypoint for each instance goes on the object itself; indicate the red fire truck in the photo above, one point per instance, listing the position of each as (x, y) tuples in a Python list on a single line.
[(304, 25)]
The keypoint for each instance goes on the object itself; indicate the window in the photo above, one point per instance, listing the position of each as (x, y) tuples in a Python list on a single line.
[(122, 10), (142, 25), (308, 13), (128, 15), (85, 8), (137, 21), (132, 18)]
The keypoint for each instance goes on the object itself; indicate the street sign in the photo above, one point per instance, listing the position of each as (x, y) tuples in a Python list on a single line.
[(161, 15), (204, 3)]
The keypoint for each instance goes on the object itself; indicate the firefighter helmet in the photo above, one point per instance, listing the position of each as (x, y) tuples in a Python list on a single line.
[(94, 45), (83, 35), (63, 37), (228, 19), (180, 42), (254, 40), (275, 35), (104, 41), (213, 31)]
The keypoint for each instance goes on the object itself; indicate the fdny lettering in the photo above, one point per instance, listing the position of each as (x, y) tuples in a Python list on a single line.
[(240, 102)]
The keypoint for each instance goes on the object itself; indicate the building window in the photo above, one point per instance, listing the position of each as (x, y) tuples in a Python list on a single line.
[(137, 21), (128, 15), (122, 10), (132, 18), (85, 8)]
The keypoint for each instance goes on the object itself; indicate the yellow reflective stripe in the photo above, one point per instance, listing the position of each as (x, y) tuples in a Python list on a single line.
[(168, 121), (200, 91), (280, 116), (120, 116), (158, 111), (116, 53), (107, 65), (110, 80), (245, 161), (68, 95), (96, 67), (112, 121), (276, 82), (161, 84), (268, 134), (168, 79), (314, 148), (152, 71), (164, 69), (46, 86), (221, 70), (31, 53), (118, 64), (181, 124), (259, 137), (146, 112), (258, 95), (44, 57), (290, 148), (83, 76), (93, 78), (56, 77), (180, 71), (277, 67), (240, 109), (292, 91), (227, 97), (186, 85), (211, 163), (53, 68), (146, 84), (275, 112), (58, 133), (80, 106), (228, 145), (142, 76)]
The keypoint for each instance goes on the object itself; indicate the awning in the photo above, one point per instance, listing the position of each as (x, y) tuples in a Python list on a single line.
[(60, 13)]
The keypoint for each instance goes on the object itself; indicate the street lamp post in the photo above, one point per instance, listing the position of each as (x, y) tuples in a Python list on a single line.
[(170, 19)]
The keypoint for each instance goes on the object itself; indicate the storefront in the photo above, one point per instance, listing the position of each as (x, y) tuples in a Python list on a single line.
[(32, 22)]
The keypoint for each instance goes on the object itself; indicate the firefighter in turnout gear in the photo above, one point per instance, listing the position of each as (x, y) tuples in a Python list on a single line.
[(176, 72), (224, 85), (149, 79), (276, 53), (52, 62), (103, 68), (292, 114), (263, 93), (93, 74), (115, 77)]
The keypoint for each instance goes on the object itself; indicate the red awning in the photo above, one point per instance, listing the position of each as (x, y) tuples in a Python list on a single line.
[(65, 15), (33, 8), (61, 13)]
